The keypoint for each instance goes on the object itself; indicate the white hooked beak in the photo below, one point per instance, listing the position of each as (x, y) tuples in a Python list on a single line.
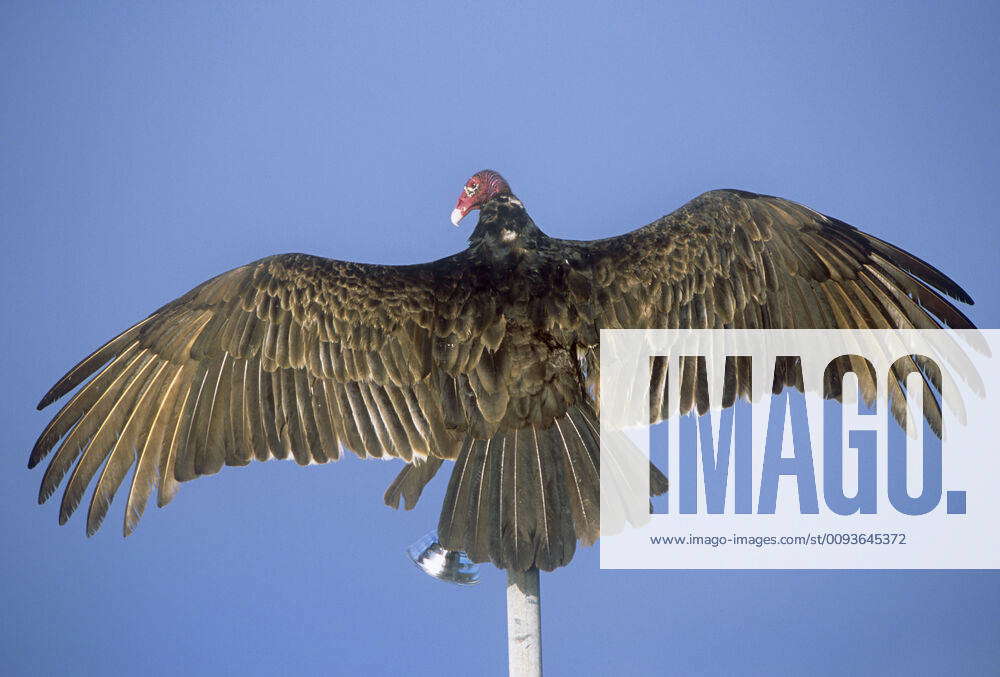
[(456, 216)]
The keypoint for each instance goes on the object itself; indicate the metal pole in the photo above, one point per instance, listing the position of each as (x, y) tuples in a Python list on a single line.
[(524, 624)]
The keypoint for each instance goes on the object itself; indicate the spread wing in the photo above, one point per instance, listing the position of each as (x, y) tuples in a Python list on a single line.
[(290, 356), (732, 259)]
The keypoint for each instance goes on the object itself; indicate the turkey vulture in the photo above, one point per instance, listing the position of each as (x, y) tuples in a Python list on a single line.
[(487, 358)]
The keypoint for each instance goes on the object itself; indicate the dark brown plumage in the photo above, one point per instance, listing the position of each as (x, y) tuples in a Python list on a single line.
[(487, 358)]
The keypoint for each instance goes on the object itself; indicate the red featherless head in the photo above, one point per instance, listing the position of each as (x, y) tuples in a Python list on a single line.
[(483, 186)]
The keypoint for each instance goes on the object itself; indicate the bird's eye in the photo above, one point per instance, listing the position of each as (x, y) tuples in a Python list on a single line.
[(471, 189)]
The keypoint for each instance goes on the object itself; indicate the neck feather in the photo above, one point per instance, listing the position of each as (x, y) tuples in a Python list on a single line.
[(504, 222)]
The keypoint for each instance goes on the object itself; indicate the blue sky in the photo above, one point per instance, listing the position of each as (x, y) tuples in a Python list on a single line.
[(149, 146)]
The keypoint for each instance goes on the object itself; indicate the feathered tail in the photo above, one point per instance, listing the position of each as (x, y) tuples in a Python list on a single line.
[(522, 498)]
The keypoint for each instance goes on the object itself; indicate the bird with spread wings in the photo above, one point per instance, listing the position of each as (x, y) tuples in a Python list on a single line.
[(487, 358)]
